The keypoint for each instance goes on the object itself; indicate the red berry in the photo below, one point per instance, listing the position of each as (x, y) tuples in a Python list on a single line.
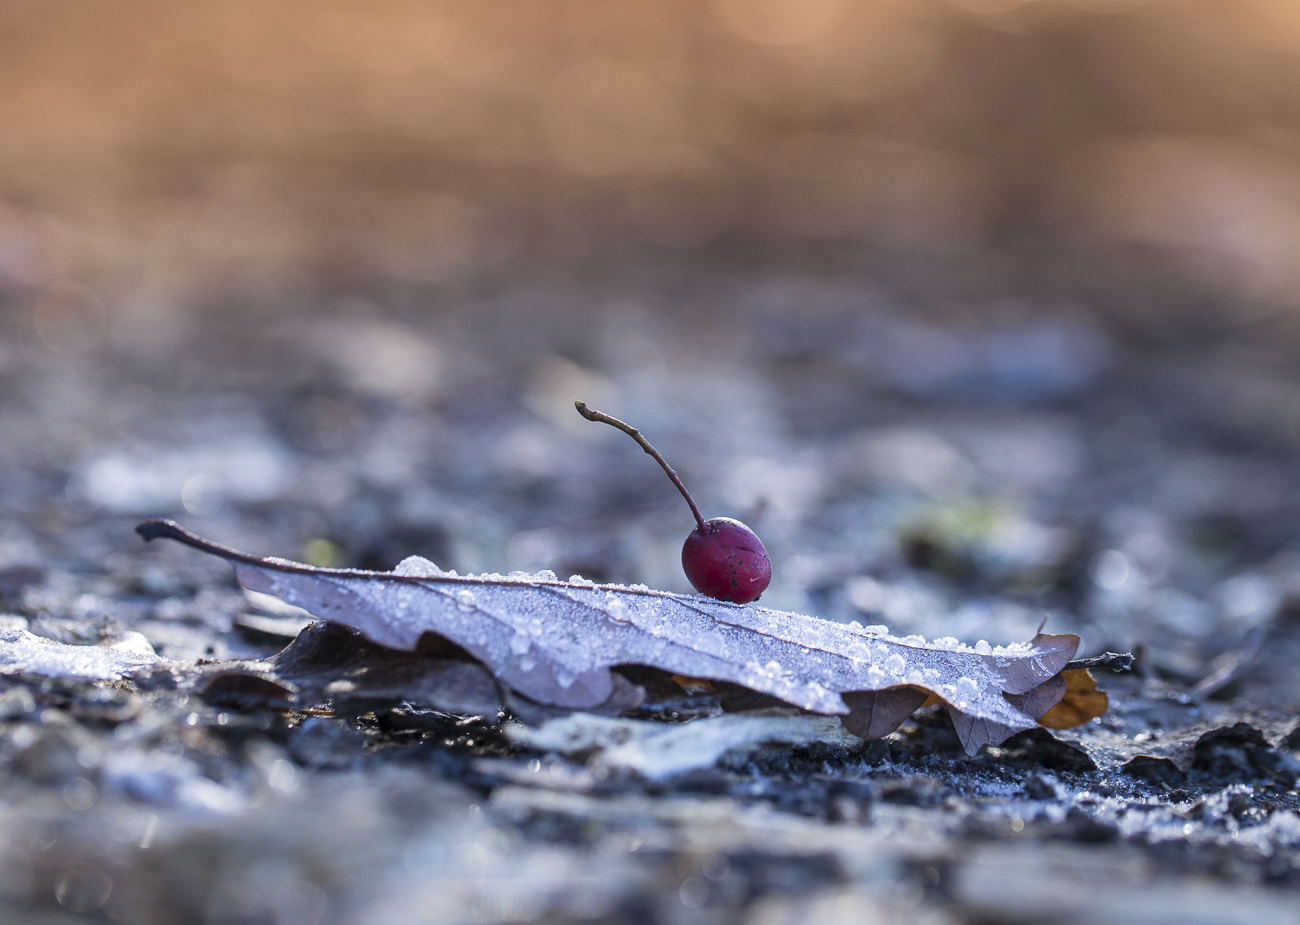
[(722, 557), (728, 562)]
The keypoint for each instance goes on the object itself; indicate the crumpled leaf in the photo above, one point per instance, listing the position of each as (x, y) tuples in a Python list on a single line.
[(555, 642), (329, 661), (245, 691)]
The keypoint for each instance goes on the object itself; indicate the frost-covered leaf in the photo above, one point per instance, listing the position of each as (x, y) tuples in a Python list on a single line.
[(555, 641), (1036, 703)]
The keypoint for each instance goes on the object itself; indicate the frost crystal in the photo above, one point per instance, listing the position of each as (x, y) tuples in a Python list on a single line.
[(615, 607), (418, 567)]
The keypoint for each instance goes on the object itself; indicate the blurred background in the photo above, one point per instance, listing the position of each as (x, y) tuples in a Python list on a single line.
[(977, 310), (1139, 156)]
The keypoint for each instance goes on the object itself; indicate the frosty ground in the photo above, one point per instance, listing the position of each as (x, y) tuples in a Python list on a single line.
[(1142, 497)]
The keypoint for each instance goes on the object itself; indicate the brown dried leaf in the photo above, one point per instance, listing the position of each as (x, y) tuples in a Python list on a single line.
[(693, 685), (245, 691), (332, 662), (875, 714), (1082, 702)]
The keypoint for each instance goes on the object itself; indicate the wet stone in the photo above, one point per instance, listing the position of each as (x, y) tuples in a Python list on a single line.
[(325, 742)]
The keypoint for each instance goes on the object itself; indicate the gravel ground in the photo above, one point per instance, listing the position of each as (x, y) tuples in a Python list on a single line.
[(942, 478)]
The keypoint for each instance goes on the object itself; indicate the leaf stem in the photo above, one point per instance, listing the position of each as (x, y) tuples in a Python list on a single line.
[(600, 417), (1108, 661)]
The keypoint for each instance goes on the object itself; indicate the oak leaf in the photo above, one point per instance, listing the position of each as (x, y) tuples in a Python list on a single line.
[(555, 642)]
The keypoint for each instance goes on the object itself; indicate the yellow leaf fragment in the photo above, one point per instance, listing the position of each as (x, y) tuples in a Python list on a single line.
[(1082, 702), (693, 685)]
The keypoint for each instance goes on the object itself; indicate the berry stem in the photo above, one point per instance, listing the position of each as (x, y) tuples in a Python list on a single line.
[(599, 416)]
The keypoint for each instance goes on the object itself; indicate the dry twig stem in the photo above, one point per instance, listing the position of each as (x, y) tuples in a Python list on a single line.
[(592, 414), (1109, 661)]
